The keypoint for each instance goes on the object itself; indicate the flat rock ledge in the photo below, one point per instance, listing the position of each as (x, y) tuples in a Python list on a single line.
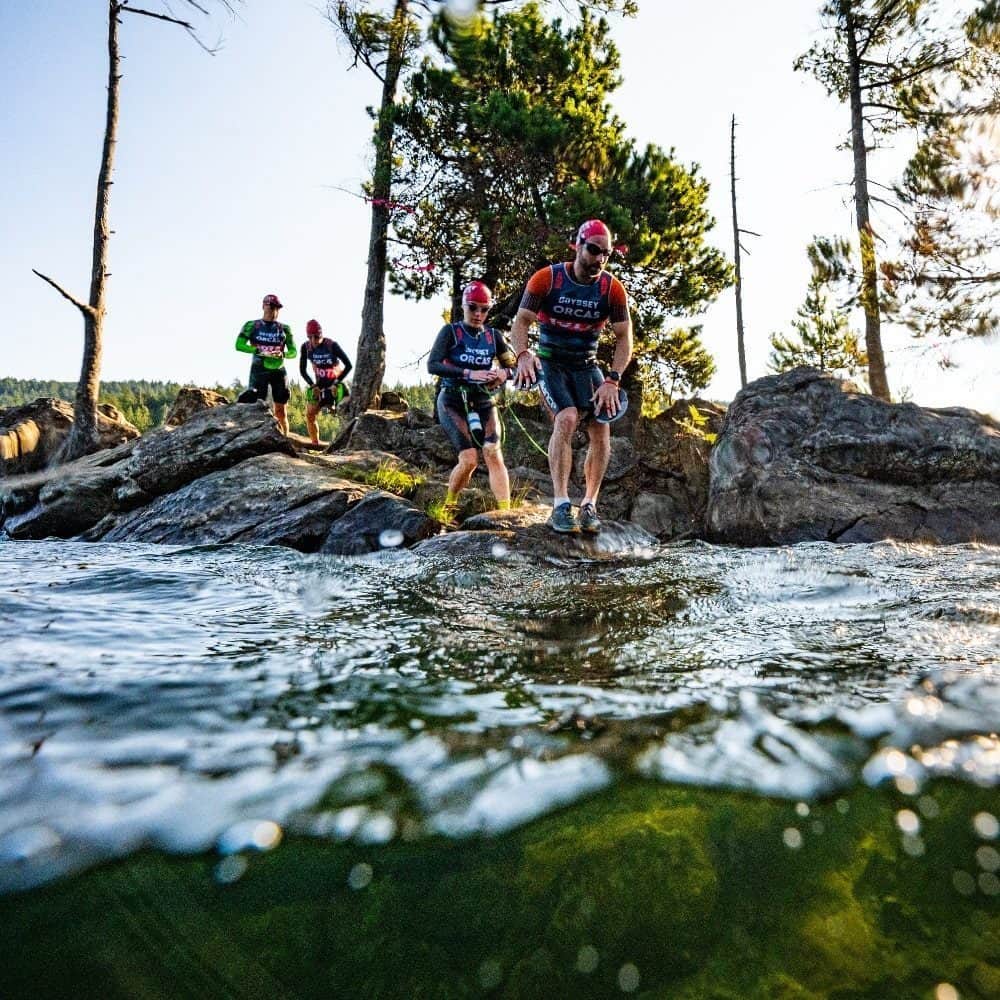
[(523, 533), (804, 456)]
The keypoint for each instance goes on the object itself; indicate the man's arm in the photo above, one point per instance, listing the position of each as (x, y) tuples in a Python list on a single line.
[(290, 349), (303, 361), (606, 396), (243, 342), (528, 365), (623, 345)]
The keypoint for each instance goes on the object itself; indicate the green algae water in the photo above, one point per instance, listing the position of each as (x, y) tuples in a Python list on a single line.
[(701, 772)]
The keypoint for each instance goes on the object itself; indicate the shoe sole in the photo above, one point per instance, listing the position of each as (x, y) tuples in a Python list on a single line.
[(564, 531)]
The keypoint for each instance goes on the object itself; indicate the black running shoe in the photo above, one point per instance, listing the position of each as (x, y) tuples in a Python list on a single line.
[(589, 521)]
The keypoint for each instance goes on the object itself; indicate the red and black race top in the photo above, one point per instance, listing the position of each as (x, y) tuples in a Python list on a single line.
[(573, 315)]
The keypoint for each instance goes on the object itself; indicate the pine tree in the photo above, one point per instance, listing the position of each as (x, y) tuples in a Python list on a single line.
[(823, 338)]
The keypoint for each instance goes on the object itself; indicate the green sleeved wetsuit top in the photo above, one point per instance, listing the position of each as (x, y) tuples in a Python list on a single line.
[(269, 343)]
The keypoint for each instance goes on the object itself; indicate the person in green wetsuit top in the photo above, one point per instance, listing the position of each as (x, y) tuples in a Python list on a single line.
[(270, 342)]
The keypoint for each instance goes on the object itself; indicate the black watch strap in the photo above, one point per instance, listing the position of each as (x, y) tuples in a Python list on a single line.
[(614, 376)]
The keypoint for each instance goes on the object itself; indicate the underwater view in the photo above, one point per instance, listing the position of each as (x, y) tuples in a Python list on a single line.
[(703, 772)]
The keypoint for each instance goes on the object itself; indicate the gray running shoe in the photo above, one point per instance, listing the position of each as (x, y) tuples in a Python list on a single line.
[(563, 519), (589, 521)]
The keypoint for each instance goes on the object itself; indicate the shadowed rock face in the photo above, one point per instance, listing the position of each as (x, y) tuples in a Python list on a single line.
[(71, 499), (31, 435), (804, 457)]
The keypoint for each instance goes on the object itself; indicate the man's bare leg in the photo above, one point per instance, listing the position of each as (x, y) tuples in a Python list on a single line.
[(561, 451), (598, 456), (282, 417)]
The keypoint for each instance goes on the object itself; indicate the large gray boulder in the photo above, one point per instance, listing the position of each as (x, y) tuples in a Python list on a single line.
[(70, 499), (31, 435), (380, 521), (410, 434), (804, 456), (271, 499)]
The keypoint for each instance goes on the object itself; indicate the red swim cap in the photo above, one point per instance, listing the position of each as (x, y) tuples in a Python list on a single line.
[(313, 326), (592, 227), (476, 291)]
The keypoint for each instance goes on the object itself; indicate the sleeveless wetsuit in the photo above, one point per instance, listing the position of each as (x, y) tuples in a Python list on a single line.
[(572, 317)]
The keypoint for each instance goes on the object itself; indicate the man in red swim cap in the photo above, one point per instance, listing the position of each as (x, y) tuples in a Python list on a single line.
[(572, 303)]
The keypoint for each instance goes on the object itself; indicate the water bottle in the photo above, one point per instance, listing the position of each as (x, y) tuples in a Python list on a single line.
[(475, 424)]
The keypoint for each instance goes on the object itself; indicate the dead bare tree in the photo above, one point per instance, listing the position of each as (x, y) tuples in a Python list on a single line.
[(737, 247), (83, 437)]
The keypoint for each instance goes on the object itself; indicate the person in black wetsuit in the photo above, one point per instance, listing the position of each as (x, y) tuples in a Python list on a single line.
[(270, 342), (330, 366), (463, 356)]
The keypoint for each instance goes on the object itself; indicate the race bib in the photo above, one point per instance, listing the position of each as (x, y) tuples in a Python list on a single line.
[(270, 351)]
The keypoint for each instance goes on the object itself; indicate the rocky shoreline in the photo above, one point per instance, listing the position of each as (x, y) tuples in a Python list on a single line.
[(799, 456)]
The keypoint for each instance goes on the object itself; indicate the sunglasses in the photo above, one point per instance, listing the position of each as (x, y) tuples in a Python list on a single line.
[(477, 309), (597, 251)]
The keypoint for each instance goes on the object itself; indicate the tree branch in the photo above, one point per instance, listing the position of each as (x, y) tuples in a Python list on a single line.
[(83, 307), (160, 17)]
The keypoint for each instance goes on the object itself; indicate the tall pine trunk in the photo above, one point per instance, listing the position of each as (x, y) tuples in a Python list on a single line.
[(869, 274), (83, 437), (370, 367), (736, 256)]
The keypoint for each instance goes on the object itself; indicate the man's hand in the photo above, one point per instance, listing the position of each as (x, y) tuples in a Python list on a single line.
[(528, 367), (605, 399), (481, 376)]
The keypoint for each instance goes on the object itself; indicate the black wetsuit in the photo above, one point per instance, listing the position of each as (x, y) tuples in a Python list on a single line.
[(458, 350), (330, 366)]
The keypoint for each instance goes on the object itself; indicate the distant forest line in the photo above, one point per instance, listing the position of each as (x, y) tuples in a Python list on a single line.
[(146, 404)]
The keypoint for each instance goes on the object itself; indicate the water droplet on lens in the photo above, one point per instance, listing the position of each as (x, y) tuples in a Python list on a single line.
[(360, 876), (988, 858), (908, 821), (928, 807), (989, 884), (986, 826), (792, 838), (230, 870), (587, 959), (945, 991), (500, 551), (490, 974), (964, 883), (391, 538), (628, 978)]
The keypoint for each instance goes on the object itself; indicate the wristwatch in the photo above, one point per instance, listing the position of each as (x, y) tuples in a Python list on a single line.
[(613, 376)]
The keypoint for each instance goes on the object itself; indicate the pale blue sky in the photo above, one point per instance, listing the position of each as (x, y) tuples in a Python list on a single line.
[(228, 168)]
